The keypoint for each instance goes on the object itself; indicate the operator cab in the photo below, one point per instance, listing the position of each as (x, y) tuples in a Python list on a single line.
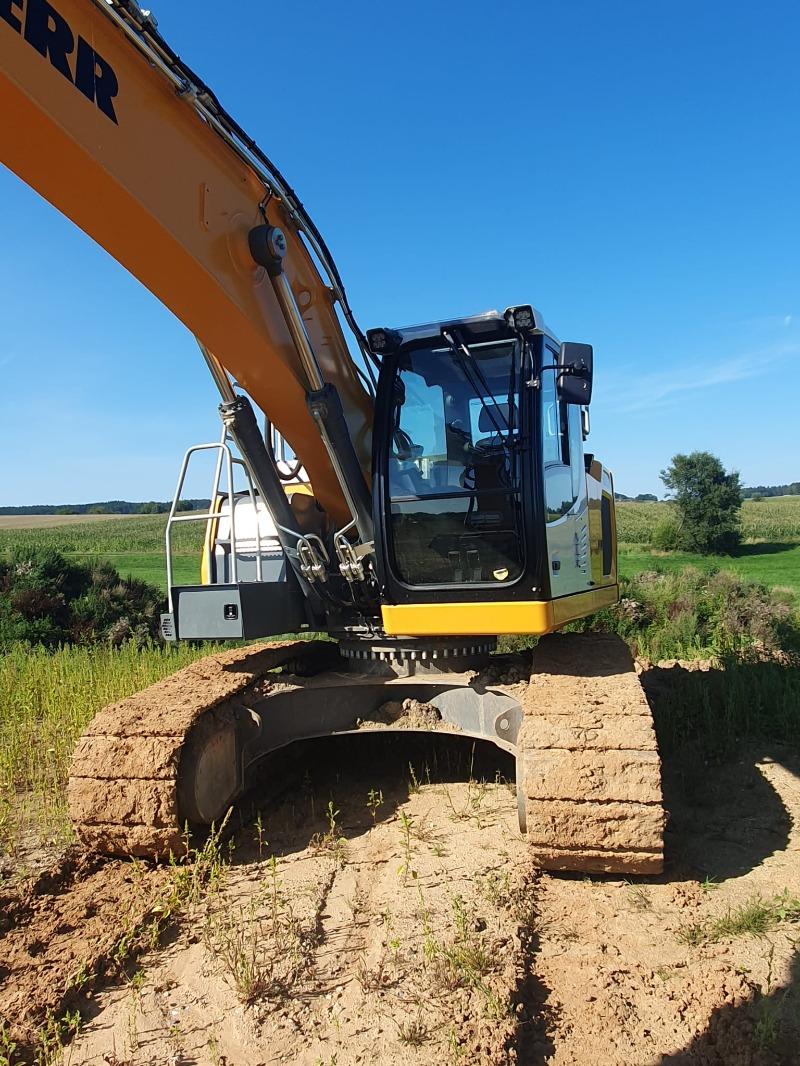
[(481, 484)]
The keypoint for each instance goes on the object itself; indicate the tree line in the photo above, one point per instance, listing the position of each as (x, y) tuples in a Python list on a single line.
[(108, 507), (771, 490)]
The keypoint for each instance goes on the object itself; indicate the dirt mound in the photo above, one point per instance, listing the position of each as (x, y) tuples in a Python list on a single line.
[(405, 714), (61, 932)]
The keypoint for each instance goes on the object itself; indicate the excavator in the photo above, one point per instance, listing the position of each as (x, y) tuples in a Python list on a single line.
[(409, 493)]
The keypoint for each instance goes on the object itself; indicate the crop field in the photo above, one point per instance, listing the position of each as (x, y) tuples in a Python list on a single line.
[(42, 521), (134, 544), (775, 519)]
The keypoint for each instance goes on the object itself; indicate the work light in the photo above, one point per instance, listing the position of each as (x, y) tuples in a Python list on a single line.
[(383, 341), (521, 318)]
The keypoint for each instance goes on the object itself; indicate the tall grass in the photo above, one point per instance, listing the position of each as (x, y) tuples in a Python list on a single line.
[(714, 711), (46, 700), (691, 614)]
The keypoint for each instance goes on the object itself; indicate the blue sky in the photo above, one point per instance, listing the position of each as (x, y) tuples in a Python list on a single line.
[(631, 169)]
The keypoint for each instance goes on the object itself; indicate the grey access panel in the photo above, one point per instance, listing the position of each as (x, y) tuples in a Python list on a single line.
[(232, 612)]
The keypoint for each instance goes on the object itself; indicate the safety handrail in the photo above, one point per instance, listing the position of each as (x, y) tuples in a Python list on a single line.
[(226, 456)]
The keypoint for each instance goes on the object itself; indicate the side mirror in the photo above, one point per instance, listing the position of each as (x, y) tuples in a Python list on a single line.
[(575, 370)]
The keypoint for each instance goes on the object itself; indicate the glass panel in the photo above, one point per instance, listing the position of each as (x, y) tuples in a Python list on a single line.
[(576, 450), (452, 479), (455, 541), (453, 416), (560, 479)]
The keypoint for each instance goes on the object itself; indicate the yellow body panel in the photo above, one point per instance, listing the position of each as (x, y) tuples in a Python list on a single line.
[(534, 617)]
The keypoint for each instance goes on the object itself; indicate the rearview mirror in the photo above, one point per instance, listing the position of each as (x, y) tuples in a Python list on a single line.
[(575, 369)]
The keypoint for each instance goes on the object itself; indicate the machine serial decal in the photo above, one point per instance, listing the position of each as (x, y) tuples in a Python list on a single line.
[(51, 35)]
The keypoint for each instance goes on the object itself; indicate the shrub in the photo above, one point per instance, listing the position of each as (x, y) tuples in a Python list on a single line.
[(708, 501), (666, 534), (47, 600), (688, 614)]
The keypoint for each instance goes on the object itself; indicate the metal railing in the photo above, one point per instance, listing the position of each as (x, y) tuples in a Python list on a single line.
[(225, 456)]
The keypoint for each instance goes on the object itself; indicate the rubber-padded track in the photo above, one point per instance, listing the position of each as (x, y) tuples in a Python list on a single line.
[(590, 764), (122, 789)]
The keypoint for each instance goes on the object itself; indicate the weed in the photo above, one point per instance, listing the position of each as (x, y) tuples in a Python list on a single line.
[(413, 782), (374, 801), (214, 1054), (261, 840), (754, 918), (406, 832), (237, 939), (424, 832), (498, 1007), (263, 948), (463, 961), (133, 1016), (331, 841), (455, 1048), (370, 979), (413, 1033), (53, 1034), (639, 897), (496, 888), (709, 884), (766, 1029), (195, 875), (8, 1046), (471, 808)]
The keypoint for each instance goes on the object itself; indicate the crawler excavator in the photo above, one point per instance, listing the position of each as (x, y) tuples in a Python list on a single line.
[(412, 494)]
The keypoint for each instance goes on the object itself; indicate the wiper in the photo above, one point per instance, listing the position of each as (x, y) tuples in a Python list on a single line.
[(469, 364)]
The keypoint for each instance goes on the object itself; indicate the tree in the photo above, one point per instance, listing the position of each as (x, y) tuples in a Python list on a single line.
[(708, 501)]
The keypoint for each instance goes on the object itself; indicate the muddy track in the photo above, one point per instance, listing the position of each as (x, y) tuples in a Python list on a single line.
[(123, 787), (591, 770)]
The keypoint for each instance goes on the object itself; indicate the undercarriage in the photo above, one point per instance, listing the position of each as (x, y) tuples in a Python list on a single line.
[(181, 752)]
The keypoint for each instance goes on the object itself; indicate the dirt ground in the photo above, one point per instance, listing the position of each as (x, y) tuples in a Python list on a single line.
[(381, 908)]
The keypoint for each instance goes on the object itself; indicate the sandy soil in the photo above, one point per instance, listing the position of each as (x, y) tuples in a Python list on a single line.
[(426, 936)]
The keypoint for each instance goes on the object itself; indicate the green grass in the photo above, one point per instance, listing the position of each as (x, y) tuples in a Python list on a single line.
[(150, 566), (773, 565), (756, 917), (46, 700)]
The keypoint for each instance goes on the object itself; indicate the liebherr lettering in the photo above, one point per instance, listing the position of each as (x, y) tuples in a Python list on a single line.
[(50, 34)]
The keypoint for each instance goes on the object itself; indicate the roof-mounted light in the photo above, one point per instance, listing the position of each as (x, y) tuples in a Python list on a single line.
[(522, 318), (383, 341)]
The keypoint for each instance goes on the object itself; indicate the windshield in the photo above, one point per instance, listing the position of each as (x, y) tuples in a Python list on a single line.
[(453, 465)]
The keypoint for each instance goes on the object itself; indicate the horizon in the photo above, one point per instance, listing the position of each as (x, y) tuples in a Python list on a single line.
[(640, 195)]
